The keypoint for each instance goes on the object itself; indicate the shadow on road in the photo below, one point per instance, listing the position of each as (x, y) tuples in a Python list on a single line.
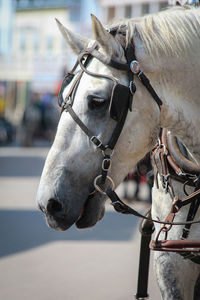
[(25, 229)]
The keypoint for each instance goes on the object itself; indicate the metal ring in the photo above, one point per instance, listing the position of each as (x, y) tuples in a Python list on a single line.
[(98, 188), (108, 151), (135, 67)]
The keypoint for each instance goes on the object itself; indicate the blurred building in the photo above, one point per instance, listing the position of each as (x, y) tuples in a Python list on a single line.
[(33, 54), (111, 9), (6, 25), (38, 48), (6, 21)]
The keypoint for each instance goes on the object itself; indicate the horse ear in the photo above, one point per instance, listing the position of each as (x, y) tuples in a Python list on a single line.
[(76, 42), (104, 38)]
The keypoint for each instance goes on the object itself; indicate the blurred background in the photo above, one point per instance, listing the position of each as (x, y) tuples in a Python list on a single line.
[(35, 261), (34, 58)]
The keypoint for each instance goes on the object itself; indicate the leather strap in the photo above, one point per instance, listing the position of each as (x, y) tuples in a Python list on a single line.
[(94, 139), (145, 81), (121, 207), (192, 212), (146, 230), (176, 245)]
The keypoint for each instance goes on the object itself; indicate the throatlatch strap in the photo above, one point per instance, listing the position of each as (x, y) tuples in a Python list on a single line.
[(130, 56), (145, 81)]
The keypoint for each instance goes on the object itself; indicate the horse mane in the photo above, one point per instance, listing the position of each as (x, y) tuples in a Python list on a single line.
[(170, 32)]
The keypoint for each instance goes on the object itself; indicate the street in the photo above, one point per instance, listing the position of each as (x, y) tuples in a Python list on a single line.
[(38, 263)]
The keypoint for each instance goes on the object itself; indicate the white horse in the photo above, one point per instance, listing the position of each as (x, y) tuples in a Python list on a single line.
[(167, 46)]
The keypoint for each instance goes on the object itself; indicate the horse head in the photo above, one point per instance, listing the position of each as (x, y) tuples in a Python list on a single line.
[(73, 162)]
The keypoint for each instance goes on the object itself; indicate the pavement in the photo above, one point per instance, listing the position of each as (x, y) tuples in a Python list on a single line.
[(38, 263)]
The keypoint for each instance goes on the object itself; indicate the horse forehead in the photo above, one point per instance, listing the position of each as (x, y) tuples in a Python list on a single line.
[(99, 67), (93, 82)]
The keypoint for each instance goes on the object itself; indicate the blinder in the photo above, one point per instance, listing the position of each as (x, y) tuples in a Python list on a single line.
[(119, 103), (66, 81), (120, 98)]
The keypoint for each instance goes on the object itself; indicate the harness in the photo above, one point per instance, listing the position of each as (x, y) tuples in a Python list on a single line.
[(120, 105), (171, 164)]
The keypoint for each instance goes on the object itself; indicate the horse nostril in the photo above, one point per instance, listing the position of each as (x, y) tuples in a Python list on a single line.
[(54, 206)]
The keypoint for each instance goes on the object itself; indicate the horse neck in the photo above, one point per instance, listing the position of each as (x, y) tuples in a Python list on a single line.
[(178, 85)]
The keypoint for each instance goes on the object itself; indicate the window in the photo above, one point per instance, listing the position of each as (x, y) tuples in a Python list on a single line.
[(128, 11), (111, 12), (145, 8)]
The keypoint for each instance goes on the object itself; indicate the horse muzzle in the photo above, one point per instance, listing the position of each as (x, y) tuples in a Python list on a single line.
[(61, 218)]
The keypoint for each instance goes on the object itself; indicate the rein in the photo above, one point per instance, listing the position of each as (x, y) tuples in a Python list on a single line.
[(166, 161)]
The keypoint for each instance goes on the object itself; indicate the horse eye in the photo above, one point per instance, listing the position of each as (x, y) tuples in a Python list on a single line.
[(97, 103)]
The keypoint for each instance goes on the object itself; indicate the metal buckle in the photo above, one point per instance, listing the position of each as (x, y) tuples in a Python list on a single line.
[(67, 103), (135, 66), (106, 160), (132, 87), (96, 141)]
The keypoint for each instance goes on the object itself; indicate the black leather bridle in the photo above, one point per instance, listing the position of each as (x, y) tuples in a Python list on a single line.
[(120, 103)]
